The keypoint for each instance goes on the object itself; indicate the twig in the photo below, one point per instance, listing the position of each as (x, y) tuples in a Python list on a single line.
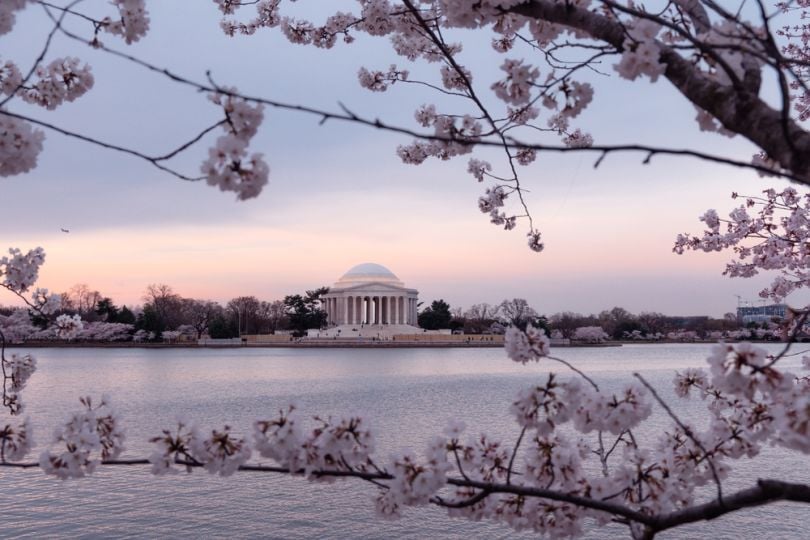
[(688, 432)]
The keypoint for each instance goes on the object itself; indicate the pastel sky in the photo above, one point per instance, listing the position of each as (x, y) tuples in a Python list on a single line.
[(338, 194)]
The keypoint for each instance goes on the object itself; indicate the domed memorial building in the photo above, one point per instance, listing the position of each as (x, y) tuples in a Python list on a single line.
[(370, 294)]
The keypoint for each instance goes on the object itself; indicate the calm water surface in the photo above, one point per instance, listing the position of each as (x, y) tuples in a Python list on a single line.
[(408, 394)]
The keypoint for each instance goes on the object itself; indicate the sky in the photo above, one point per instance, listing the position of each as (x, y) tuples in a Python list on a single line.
[(339, 195)]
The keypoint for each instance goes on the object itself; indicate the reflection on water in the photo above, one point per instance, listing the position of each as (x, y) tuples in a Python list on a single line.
[(408, 394)]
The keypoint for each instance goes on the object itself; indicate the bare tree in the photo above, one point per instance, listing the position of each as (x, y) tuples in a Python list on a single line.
[(83, 300), (245, 309), (199, 314), (652, 322), (517, 311), (480, 317), (273, 315), (168, 305)]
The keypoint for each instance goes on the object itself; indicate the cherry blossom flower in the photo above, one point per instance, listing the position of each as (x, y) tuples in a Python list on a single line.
[(21, 271), (690, 378), (10, 78), (20, 367), (16, 441), (525, 345), (8, 15), (20, 145), (229, 166), (68, 327), (89, 436), (61, 80), (220, 452), (133, 23)]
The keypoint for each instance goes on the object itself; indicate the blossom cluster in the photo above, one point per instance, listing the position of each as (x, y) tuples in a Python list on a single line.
[(343, 444), (132, 23), (752, 401), (229, 166), (18, 328), (67, 326), (641, 55), (20, 271), (90, 436), (798, 37), (15, 441), (775, 238), (525, 345), (417, 35), (16, 371), (379, 81), (45, 302), (20, 145), (8, 9), (590, 334), (63, 79), (20, 368)]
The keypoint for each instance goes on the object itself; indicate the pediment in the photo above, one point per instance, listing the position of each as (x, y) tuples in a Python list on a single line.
[(373, 288)]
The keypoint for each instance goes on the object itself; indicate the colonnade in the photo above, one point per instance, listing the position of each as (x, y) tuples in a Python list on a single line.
[(377, 309)]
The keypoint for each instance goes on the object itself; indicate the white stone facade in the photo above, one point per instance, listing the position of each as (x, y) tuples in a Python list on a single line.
[(370, 294)]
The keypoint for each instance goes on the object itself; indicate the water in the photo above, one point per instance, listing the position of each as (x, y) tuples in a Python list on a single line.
[(408, 395)]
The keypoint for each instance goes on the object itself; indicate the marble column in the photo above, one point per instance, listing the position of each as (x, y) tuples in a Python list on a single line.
[(344, 311)]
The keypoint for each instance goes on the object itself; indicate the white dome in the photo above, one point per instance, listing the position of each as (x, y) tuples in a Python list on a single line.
[(368, 273)]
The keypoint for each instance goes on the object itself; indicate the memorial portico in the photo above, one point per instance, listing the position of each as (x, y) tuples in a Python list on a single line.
[(370, 294)]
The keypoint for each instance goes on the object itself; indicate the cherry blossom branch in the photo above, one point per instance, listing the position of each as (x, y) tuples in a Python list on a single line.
[(742, 112), (687, 431), (797, 329), (514, 455), (56, 27), (765, 492), (347, 115), (450, 59), (490, 488), (576, 370), (154, 160), (5, 375)]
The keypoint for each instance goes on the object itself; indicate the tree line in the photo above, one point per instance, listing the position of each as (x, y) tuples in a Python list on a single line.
[(166, 314), (617, 323)]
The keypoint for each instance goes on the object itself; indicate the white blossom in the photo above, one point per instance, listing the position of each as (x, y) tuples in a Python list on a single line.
[(525, 345), (16, 441), (20, 145), (89, 436), (68, 327)]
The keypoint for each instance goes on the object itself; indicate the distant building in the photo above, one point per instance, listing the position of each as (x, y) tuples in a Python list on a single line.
[(370, 294), (761, 314)]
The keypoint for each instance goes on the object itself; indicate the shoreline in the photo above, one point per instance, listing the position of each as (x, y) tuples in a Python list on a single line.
[(345, 344), (291, 345)]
